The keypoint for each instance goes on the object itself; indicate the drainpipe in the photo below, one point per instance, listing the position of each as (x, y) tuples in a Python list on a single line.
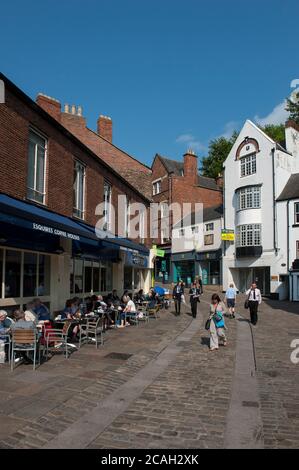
[(290, 294), (274, 201)]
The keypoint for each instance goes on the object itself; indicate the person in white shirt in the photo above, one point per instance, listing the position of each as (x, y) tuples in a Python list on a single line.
[(254, 297), (29, 313), (129, 308)]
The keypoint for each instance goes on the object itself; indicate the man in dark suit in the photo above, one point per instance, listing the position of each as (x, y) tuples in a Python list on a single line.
[(177, 293)]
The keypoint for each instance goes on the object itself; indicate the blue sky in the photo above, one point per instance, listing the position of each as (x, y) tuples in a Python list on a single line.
[(171, 74)]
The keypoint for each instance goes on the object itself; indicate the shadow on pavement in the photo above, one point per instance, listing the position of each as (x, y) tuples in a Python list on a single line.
[(289, 307)]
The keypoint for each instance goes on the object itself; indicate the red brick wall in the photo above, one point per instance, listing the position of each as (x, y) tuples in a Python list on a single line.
[(16, 117)]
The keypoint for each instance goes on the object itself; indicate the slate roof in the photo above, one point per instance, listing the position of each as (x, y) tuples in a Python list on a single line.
[(173, 166), (291, 189)]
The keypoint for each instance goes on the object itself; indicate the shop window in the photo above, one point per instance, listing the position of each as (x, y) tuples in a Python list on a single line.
[(78, 276), (12, 273), (96, 277), (109, 277), (1, 272), (36, 167), (30, 275), (128, 276), (44, 275), (87, 276), (137, 278)]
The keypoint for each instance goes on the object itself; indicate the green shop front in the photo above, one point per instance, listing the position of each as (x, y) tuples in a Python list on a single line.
[(189, 265)]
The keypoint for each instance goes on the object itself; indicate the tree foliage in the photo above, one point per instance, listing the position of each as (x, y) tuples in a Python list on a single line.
[(276, 132), (212, 164), (293, 108)]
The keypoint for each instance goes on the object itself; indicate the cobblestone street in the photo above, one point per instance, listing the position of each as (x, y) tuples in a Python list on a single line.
[(158, 386)]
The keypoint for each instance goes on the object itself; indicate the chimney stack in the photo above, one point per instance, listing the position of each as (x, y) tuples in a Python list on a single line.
[(292, 138), (219, 180), (190, 167), (104, 127), (50, 105)]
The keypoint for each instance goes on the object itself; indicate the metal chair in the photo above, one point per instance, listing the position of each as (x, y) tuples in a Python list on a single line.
[(91, 331), (59, 336), (153, 312), (23, 340), (7, 340)]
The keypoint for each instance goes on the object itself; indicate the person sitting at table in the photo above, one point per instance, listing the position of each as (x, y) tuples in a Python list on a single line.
[(68, 314), (139, 297), (94, 299), (22, 323), (30, 315), (129, 308), (124, 299), (41, 310), (5, 324), (114, 297), (152, 298)]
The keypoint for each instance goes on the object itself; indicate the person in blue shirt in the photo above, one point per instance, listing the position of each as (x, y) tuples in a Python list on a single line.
[(230, 297), (41, 310)]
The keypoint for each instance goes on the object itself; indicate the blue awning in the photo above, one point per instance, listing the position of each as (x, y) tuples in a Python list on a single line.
[(29, 216)]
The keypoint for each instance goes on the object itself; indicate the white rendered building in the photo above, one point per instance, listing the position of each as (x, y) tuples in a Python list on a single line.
[(255, 174)]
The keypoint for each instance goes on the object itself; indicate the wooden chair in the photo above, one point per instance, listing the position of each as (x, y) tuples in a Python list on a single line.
[(23, 340)]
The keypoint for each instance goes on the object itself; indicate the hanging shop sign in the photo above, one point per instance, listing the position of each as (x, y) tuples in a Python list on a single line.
[(227, 235)]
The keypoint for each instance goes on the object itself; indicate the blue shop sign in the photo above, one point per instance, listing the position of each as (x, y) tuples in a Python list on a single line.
[(136, 259)]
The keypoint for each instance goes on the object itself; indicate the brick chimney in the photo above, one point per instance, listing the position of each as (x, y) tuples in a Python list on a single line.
[(73, 120), (190, 167), (104, 127), (219, 180), (50, 105)]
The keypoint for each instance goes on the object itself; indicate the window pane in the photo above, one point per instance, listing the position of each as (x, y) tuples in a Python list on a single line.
[(1, 269), (40, 169), (103, 280), (30, 275), (44, 275), (78, 276), (12, 273), (128, 273), (109, 277), (31, 159), (96, 278), (88, 274)]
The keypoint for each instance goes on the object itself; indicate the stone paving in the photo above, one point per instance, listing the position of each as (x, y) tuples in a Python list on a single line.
[(184, 406)]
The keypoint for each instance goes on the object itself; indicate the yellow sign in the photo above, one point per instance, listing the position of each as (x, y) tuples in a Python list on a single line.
[(228, 235)]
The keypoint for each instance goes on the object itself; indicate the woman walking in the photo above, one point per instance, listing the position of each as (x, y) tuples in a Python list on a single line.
[(217, 325), (194, 293)]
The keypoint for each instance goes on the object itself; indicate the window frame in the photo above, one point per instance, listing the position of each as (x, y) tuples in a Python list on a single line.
[(32, 130), (209, 236), (107, 205), (77, 212), (247, 163), (296, 213), (154, 183), (247, 193), (249, 235), (209, 229)]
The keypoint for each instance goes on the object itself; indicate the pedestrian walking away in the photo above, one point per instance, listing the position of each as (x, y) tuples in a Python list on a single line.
[(230, 297), (177, 294), (217, 325), (254, 298), (194, 293)]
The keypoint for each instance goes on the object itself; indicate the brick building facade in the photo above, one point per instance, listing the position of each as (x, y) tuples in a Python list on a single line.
[(42, 155), (179, 182)]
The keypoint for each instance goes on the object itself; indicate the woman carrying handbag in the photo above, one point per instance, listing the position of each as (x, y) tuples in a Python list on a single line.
[(216, 324)]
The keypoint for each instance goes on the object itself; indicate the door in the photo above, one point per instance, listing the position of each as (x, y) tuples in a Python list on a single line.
[(262, 278)]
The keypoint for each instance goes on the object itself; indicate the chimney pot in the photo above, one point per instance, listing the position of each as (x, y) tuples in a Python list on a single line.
[(104, 127), (79, 110), (73, 109)]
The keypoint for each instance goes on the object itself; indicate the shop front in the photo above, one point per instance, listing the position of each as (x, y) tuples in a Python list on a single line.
[(46, 255), (208, 266), (184, 267), (136, 271)]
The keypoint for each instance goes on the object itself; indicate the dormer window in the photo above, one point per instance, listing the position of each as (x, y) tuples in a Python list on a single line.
[(156, 187)]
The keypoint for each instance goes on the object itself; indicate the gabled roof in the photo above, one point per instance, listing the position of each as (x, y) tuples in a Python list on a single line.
[(176, 167), (291, 189), (209, 213)]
